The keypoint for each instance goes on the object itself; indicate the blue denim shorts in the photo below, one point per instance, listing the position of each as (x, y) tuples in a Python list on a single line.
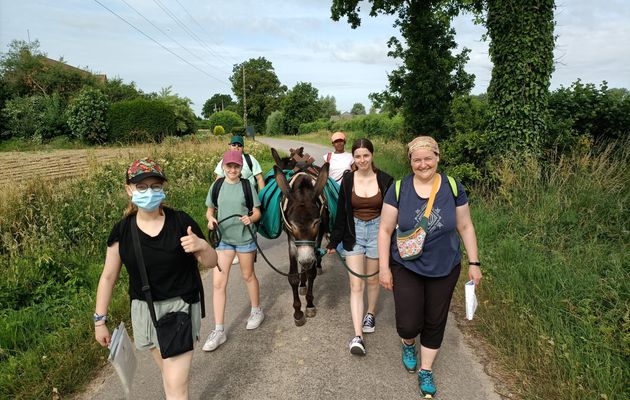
[(241, 248), (366, 233)]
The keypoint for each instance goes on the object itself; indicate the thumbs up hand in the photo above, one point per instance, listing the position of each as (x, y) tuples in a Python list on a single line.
[(191, 242)]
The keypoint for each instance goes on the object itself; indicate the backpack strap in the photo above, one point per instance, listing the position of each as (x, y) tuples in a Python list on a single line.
[(451, 182), (249, 198), (215, 191), (328, 157), (248, 160)]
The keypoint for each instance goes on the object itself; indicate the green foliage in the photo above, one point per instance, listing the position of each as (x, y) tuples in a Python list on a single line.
[(371, 125), (585, 111), (218, 130), (357, 109), (141, 120), (431, 73), (327, 106), (184, 115), (227, 119), (28, 71), (275, 123), (36, 118), (300, 105), (87, 116), (315, 126), (239, 130), (556, 277), (522, 53), (262, 89), (117, 90), (218, 102)]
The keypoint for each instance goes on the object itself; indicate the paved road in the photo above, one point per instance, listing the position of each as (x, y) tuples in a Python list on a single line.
[(282, 361)]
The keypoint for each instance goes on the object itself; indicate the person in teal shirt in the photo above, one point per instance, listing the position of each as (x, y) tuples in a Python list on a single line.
[(235, 239)]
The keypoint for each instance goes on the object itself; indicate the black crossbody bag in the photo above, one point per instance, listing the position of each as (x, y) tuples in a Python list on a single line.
[(174, 329)]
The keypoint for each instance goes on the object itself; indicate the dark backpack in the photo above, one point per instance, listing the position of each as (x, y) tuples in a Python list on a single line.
[(247, 190)]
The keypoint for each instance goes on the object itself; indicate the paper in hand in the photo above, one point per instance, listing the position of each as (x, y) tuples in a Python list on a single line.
[(123, 357), (471, 299)]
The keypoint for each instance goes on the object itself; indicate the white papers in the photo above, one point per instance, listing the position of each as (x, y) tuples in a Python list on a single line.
[(471, 299), (123, 357)]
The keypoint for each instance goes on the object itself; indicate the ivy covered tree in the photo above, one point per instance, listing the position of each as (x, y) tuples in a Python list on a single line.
[(300, 105), (87, 115), (430, 74), (263, 91), (521, 49)]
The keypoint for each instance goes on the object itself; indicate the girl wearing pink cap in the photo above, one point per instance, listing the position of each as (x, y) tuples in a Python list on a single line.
[(235, 239)]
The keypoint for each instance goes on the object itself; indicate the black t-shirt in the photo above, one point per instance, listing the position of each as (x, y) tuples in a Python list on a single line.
[(170, 269)]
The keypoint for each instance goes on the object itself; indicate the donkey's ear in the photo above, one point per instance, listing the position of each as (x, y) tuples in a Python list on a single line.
[(300, 151), (281, 180), (276, 156), (322, 178)]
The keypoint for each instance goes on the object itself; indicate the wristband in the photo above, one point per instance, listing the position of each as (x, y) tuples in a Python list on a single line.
[(477, 263), (97, 317)]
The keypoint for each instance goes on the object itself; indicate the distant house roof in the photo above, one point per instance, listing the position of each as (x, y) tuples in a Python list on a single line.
[(100, 77)]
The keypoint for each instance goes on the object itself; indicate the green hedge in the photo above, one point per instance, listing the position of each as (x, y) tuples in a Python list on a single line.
[(141, 120), (371, 125)]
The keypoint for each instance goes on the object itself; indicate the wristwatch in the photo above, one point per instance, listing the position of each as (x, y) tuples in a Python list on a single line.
[(477, 263), (96, 317)]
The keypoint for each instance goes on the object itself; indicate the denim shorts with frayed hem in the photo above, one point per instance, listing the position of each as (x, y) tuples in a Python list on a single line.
[(241, 248), (366, 233)]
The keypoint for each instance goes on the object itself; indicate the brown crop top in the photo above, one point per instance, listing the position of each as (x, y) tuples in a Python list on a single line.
[(366, 208)]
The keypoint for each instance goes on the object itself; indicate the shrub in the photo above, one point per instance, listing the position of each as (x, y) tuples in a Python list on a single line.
[(275, 123), (227, 119), (87, 115), (203, 124), (371, 125), (36, 118), (238, 130), (315, 126), (141, 120), (218, 130)]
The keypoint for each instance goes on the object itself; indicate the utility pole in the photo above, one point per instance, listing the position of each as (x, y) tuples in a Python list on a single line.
[(244, 100)]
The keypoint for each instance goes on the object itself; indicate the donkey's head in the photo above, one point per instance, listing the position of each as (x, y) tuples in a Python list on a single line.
[(302, 209)]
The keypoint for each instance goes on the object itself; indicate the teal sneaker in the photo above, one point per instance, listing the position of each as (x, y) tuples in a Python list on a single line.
[(409, 358), (426, 383)]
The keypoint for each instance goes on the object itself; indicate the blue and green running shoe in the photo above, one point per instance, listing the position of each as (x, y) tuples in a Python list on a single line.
[(409, 358), (426, 383)]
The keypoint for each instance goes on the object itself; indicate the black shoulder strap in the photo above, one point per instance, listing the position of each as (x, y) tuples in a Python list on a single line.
[(249, 198), (202, 299), (215, 191), (248, 160), (146, 288)]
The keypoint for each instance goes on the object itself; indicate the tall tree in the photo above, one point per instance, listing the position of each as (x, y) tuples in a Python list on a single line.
[(300, 105), (218, 102), (521, 49), (263, 91), (430, 74), (327, 106), (357, 109)]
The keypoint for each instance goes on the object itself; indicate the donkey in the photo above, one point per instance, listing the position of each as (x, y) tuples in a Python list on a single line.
[(305, 220)]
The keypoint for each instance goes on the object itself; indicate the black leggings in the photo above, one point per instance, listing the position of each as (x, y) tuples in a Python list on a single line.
[(422, 304)]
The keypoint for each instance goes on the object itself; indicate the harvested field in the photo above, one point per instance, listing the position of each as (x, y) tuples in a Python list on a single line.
[(16, 167)]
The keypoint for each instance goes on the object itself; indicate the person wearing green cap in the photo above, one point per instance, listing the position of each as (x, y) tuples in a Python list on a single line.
[(251, 166)]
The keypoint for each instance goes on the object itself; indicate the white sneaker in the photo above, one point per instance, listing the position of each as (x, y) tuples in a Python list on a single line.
[(255, 319), (215, 339)]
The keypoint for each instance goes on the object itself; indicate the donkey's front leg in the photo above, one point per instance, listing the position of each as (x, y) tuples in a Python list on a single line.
[(311, 310), (294, 281)]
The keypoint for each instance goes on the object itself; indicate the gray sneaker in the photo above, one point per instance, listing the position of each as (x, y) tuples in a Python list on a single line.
[(255, 319), (215, 339), (369, 323), (357, 346)]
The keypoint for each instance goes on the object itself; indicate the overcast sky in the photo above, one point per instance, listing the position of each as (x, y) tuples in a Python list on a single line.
[(297, 36)]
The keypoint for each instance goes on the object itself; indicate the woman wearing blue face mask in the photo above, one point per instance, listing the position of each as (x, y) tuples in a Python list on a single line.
[(172, 244)]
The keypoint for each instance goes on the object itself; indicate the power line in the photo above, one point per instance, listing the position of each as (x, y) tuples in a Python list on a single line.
[(188, 31), (206, 32), (159, 44), (171, 38)]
